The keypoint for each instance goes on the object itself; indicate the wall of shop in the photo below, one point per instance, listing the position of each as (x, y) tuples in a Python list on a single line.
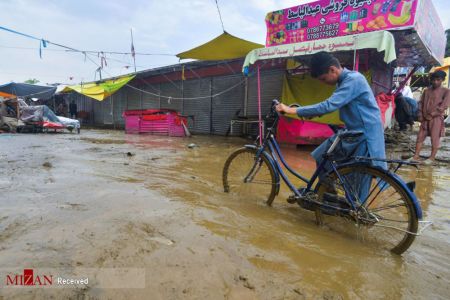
[(210, 102)]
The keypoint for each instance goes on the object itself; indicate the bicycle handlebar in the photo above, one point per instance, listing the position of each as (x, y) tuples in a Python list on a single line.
[(275, 102)]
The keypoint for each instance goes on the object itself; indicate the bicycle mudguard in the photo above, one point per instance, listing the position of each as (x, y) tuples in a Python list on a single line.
[(272, 164), (395, 177)]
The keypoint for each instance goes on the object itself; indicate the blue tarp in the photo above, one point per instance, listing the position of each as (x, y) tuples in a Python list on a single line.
[(28, 90)]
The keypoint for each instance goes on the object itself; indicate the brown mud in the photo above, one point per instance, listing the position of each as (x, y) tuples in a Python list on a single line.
[(104, 199)]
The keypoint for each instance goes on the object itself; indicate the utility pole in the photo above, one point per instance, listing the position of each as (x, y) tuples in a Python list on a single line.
[(133, 53)]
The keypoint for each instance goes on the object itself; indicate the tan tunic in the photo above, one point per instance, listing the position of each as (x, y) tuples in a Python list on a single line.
[(432, 107)]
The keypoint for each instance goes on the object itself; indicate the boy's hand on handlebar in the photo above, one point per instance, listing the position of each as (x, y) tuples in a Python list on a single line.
[(282, 108), (292, 110)]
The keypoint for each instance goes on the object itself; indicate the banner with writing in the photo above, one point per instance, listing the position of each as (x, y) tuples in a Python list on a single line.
[(332, 18), (383, 41)]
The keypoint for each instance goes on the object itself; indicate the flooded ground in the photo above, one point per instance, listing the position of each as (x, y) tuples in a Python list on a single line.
[(104, 200)]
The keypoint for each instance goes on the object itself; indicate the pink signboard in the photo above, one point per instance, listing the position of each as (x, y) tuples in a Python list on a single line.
[(331, 18)]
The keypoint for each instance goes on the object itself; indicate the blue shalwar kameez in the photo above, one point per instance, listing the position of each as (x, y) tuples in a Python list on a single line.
[(358, 110)]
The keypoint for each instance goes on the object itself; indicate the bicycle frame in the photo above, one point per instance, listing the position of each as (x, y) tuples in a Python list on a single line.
[(270, 143)]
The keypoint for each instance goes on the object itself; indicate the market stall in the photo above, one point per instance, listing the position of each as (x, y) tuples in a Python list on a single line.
[(368, 36), (20, 117), (9, 112)]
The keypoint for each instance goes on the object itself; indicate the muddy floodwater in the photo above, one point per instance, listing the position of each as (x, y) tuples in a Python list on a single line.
[(103, 200)]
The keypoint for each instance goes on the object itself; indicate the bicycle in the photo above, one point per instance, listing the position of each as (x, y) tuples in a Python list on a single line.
[(375, 200)]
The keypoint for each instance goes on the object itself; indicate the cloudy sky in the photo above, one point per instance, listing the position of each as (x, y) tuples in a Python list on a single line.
[(159, 27)]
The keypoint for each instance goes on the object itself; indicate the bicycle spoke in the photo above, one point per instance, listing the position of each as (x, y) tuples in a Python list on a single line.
[(250, 179), (388, 207), (390, 220), (387, 215)]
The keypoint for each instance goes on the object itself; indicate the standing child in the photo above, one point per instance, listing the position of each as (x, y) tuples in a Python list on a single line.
[(432, 106)]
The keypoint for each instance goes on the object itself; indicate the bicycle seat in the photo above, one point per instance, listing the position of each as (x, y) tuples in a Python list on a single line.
[(350, 134)]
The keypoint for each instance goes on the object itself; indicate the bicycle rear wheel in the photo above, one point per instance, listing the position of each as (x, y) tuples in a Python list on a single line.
[(249, 177), (386, 215)]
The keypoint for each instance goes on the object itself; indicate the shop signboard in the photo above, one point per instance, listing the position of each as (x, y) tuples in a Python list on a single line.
[(332, 18)]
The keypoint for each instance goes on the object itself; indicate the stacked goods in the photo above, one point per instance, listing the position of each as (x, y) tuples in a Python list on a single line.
[(154, 121)]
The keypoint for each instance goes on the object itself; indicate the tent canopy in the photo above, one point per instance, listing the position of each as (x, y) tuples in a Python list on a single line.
[(99, 90), (380, 40), (28, 90), (225, 46)]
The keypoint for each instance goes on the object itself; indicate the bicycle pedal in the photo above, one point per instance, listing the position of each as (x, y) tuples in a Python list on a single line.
[(292, 199)]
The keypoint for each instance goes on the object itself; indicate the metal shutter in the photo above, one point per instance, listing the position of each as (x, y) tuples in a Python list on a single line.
[(199, 108), (119, 106), (226, 105), (97, 112), (107, 110), (171, 89), (86, 104), (150, 101), (133, 98)]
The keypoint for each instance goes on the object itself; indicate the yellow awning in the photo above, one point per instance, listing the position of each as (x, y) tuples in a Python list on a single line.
[(100, 90), (225, 46), (445, 65)]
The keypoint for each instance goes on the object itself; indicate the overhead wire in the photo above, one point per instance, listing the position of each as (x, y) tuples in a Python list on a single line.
[(87, 55), (90, 51), (127, 53), (44, 42), (220, 16)]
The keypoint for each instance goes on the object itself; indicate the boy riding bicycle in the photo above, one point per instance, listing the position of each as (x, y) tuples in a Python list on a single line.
[(357, 107)]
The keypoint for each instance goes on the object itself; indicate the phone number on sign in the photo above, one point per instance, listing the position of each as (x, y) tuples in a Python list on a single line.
[(321, 35), (323, 31)]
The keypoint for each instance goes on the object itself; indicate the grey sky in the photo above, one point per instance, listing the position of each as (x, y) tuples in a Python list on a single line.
[(168, 27)]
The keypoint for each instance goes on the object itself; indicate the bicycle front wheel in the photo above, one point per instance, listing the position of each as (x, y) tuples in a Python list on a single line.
[(249, 177), (385, 215)]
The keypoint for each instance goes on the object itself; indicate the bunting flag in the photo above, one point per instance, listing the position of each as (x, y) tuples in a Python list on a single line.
[(42, 43)]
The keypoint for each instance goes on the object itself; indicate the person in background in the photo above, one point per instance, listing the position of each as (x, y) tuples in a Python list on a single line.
[(73, 109), (432, 106), (356, 103), (406, 91), (59, 109), (405, 111), (64, 110)]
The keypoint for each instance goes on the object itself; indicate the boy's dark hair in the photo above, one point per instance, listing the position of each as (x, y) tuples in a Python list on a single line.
[(438, 74), (321, 63)]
